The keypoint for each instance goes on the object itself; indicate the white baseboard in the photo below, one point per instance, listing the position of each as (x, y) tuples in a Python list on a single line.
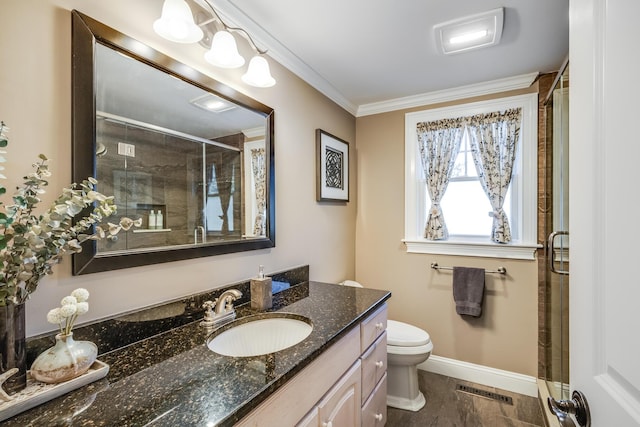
[(505, 380)]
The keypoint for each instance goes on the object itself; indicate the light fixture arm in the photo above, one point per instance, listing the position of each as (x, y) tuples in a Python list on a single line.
[(238, 29)]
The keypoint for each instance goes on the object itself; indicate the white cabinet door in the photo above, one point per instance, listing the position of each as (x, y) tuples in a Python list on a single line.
[(341, 406), (312, 419)]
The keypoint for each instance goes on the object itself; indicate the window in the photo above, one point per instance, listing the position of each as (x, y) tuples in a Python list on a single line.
[(465, 206), (214, 211)]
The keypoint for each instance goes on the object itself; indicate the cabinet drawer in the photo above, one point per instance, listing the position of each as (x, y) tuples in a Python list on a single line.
[(374, 365), (374, 411), (372, 327)]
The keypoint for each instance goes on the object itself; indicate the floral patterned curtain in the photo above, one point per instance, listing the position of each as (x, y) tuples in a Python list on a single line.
[(439, 143), (493, 145), (259, 178)]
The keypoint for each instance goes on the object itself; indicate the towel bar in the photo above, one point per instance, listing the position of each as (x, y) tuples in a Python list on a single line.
[(500, 270)]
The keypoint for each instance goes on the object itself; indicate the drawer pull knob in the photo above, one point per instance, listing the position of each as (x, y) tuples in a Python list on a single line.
[(379, 326), (379, 364), (327, 424), (378, 417)]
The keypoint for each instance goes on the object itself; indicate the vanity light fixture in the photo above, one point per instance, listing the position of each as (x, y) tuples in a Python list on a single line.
[(224, 51), (177, 24), (258, 74), (470, 32)]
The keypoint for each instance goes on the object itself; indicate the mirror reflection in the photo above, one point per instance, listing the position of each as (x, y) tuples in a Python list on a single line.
[(178, 165), (193, 163)]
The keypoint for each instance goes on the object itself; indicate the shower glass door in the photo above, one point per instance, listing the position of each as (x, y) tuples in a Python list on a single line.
[(557, 253)]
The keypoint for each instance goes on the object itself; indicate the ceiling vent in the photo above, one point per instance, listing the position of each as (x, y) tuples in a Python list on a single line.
[(212, 103), (470, 32)]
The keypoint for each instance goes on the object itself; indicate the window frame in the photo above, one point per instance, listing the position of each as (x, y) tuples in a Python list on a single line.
[(525, 182)]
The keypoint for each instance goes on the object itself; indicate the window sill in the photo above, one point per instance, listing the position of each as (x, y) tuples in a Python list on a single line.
[(473, 249)]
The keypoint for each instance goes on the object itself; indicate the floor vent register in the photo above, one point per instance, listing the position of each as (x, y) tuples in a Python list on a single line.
[(483, 393)]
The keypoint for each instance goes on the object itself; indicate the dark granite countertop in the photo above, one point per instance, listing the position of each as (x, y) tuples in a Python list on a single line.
[(173, 379)]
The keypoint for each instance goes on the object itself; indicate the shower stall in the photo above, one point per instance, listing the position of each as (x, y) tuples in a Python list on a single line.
[(186, 189)]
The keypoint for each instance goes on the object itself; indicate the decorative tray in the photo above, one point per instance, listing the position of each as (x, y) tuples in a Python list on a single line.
[(37, 393)]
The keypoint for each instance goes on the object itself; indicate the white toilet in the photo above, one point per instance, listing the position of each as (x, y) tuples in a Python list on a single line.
[(407, 346)]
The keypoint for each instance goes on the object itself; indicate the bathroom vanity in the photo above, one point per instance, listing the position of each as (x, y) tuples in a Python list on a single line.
[(173, 378), (349, 384)]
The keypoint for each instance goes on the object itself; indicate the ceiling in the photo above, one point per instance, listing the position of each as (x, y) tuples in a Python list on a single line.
[(365, 52)]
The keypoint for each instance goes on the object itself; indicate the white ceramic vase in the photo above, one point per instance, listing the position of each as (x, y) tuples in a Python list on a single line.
[(64, 361)]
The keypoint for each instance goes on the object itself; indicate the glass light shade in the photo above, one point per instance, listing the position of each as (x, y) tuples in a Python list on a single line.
[(176, 23), (258, 73), (224, 51)]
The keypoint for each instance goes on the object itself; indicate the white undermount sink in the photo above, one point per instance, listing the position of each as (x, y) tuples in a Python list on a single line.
[(260, 334)]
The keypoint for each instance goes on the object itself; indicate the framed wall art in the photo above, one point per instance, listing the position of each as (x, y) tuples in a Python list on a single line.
[(332, 168)]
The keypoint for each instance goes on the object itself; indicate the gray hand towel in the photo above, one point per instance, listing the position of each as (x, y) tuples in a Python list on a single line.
[(468, 290)]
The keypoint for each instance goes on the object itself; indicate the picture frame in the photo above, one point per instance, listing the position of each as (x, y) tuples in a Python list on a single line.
[(332, 168)]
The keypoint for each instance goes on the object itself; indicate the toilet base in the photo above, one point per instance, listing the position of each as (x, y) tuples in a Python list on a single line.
[(402, 387), (407, 404)]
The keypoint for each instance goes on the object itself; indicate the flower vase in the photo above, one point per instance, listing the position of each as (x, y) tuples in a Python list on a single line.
[(64, 361), (13, 347)]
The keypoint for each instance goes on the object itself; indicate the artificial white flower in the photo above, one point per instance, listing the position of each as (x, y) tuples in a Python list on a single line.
[(54, 316), (82, 308), (80, 294), (69, 300), (68, 310)]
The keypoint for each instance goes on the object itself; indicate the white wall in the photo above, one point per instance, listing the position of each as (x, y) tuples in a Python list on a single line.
[(35, 101)]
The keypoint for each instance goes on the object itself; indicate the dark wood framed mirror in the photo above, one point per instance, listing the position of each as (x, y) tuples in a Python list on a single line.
[(190, 156)]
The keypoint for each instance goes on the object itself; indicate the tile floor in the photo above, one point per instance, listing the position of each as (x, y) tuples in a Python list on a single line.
[(447, 407)]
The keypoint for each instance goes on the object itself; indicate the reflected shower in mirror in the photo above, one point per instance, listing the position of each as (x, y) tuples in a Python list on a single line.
[(188, 155)]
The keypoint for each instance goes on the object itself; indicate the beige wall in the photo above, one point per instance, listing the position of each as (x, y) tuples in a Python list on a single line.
[(35, 101), (505, 337)]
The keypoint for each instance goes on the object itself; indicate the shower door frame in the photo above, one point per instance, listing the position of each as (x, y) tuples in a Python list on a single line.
[(554, 366)]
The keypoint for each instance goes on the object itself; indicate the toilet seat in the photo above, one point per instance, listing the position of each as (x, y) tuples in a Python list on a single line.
[(409, 351), (405, 335), (405, 339)]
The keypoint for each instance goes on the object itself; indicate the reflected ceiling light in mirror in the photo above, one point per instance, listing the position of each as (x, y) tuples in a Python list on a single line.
[(175, 25), (212, 103), (470, 32)]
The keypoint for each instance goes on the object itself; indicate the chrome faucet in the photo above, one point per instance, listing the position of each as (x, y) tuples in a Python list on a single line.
[(221, 310), (225, 301)]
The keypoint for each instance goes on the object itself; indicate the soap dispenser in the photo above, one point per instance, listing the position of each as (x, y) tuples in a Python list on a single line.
[(261, 291)]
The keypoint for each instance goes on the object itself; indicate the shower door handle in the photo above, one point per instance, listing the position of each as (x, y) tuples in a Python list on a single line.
[(550, 251), (578, 407)]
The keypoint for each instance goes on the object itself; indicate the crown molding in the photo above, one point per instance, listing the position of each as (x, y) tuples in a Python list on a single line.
[(276, 50), (478, 89), (280, 53)]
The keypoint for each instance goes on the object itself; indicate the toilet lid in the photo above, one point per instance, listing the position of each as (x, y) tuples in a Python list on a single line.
[(405, 335)]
